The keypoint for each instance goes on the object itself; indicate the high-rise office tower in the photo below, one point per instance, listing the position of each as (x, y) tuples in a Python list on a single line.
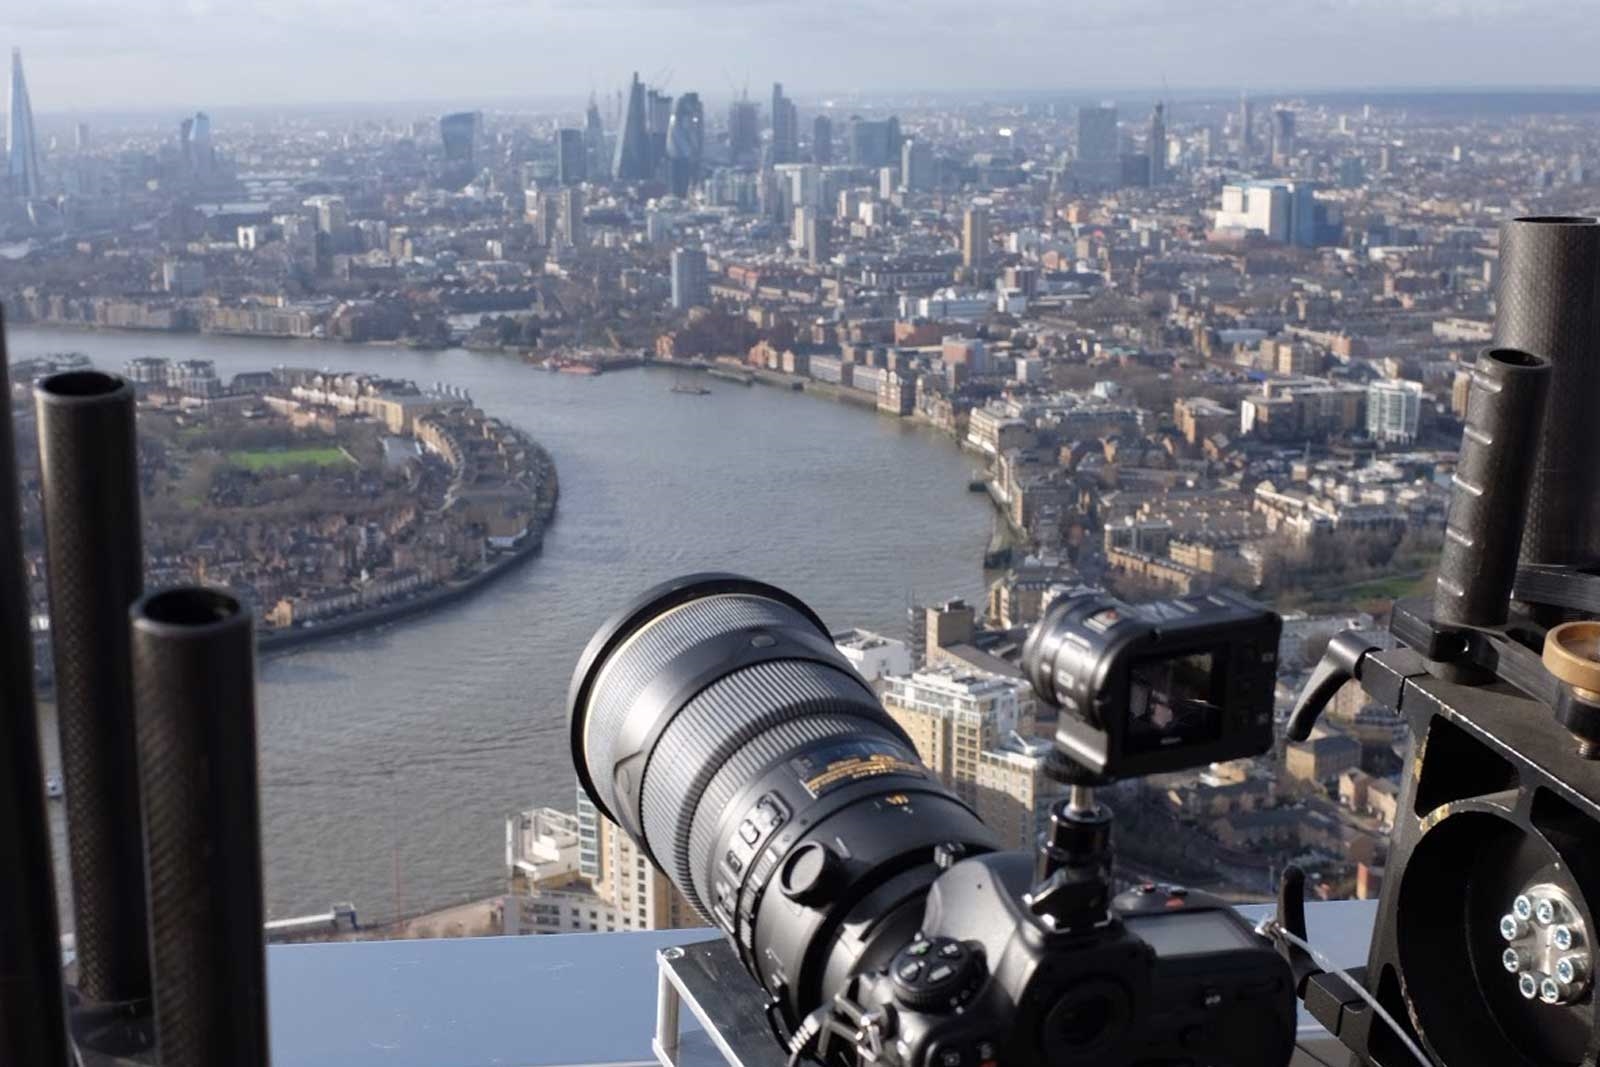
[(1158, 145), (459, 134), (598, 164), (975, 238), (874, 142), (572, 231), (632, 161), (657, 125), (916, 166), (744, 129), (80, 137), (690, 284), (822, 140), (686, 140), (785, 127), (1282, 137), (1247, 128), (571, 157), (1099, 164), (22, 150), (818, 237)]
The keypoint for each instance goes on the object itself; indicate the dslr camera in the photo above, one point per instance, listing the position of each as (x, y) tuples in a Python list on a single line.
[(714, 721)]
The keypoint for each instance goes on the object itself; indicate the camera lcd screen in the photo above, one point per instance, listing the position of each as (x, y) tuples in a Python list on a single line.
[(1190, 933), (1172, 702)]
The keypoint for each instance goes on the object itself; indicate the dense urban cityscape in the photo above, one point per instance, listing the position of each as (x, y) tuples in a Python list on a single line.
[(1187, 342)]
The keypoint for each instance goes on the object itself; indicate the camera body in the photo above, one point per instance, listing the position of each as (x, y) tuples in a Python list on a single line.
[(1170, 976), (1159, 686)]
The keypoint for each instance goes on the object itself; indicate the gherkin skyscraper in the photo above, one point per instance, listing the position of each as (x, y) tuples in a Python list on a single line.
[(22, 152)]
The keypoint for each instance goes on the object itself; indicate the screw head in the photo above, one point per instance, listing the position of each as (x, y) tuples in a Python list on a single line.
[(1544, 911), (1511, 959), (1528, 986), (1550, 991), (1571, 970), (1512, 927), (1562, 937), (1522, 907)]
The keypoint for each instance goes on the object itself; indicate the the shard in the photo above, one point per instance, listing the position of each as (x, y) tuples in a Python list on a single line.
[(633, 143), (22, 151)]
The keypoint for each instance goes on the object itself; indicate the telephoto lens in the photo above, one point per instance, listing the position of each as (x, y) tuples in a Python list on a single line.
[(714, 721)]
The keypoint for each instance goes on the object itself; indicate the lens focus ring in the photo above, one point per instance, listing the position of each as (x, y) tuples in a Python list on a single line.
[(711, 738)]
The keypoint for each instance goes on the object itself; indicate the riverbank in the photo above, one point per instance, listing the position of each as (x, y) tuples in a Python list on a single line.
[(532, 544)]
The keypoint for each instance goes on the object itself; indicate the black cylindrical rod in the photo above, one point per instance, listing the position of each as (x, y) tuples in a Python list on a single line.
[(1489, 499), (32, 1008), (194, 703), (89, 473), (1548, 302)]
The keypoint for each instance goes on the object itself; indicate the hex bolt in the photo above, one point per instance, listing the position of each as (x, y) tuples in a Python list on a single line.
[(1545, 911), (1512, 928), (1563, 937), (1570, 970), (1522, 907), (1528, 986), (1515, 959), (1550, 991)]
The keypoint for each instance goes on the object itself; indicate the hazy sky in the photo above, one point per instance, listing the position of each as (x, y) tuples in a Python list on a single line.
[(85, 54)]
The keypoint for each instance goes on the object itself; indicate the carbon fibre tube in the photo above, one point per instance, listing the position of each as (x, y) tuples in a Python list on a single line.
[(1489, 500), (89, 472), (1548, 303), (194, 706), (32, 1008)]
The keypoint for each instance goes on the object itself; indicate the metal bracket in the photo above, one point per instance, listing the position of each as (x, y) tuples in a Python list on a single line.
[(709, 978)]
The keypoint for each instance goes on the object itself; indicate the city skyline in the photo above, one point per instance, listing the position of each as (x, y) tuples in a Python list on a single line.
[(83, 58)]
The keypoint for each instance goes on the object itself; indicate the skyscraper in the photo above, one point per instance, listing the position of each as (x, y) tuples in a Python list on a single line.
[(1158, 145), (1247, 131), (818, 237), (785, 127), (874, 142), (571, 161), (1099, 165), (572, 232), (459, 134), (690, 287), (916, 166), (632, 163), (1282, 137), (686, 140), (822, 140), (594, 143), (22, 151), (657, 124), (744, 129), (975, 238)]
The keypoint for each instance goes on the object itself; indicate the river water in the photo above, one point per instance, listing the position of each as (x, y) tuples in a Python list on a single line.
[(389, 760)]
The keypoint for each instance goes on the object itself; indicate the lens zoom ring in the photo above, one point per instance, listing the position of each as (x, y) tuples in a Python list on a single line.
[(744, 766), (629, 671), (718, 722)]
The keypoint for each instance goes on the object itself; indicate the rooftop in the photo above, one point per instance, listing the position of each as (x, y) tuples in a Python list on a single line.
[(546, 1001)]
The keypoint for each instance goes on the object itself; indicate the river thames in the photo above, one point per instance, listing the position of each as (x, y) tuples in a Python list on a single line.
[(389, 760)]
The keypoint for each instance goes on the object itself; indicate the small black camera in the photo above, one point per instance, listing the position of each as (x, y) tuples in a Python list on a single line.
[(1156, 687)]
